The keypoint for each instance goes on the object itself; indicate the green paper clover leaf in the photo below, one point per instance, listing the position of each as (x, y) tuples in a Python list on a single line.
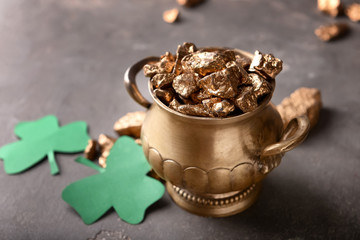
[(42, 138), (123, 185)]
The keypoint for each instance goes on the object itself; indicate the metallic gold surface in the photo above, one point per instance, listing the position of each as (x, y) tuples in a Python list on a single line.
[(90, 150), (197, 97), (246, 100), (216, 158), (209, 102), (189, 109), (183, 50), (353, 12), (130, 124), (238, 72), (204, 63), (152, 69), (212, 205), (220, 84), (243, 61), (105, 143), (266, 64), (162, 80), (222, 109), (303, 101), (331, 7), (261, 87), (153, 174), (200, 74), (171, 15), (165, 95), (167, 62), (185, 84), (130, 84), (332, 31)]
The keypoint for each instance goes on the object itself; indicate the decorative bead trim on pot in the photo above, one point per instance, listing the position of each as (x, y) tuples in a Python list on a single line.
[(213, 202)]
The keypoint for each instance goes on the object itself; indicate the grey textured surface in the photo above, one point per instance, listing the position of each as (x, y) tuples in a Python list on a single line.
[(68, 57)]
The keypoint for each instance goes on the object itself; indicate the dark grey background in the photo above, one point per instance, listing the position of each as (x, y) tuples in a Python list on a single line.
[(68, 57)]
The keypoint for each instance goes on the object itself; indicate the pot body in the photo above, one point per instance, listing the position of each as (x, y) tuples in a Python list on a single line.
[(207, 155)]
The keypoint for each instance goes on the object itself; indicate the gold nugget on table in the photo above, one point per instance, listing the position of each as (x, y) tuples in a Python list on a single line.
[(302, 101), (353, 12), (90, 151), (331, 7), (130, 124), (212, 82), (105, 143), (332, 31), (171, 16)]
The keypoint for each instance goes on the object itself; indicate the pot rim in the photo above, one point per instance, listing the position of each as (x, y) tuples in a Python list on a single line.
[(264, 102)]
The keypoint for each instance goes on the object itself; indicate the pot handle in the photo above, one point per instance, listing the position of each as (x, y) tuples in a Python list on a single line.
[(130, 80), (294, 134)]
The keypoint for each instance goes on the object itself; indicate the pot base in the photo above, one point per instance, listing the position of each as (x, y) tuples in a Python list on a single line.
[(214, 205)]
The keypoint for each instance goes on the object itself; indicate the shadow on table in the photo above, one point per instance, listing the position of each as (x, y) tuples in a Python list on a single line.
[(326, 120), (291, 211)]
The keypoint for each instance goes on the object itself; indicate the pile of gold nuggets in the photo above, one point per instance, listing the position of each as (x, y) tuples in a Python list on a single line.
[(212, 82)]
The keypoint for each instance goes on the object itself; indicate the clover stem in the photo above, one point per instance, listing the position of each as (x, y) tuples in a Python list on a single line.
[(53, 166), (89, 163)]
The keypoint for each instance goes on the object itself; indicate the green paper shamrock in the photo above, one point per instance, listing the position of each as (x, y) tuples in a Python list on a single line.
[(42, 138), (123, 185)]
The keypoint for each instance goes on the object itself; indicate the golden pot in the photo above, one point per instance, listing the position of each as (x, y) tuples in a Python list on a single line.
[(214, 166)]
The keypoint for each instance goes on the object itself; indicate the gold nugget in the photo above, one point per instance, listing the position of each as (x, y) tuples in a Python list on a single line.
[(167, 62), (204, 63), (165, 95), (193, 110), (246, 100), (332, 31), (222, 109), (238, 72), (185, 84), (162, 80), (209, 103), (197, 97), (331, 7), (151, 70), (220, 84), (302, 101), (130, 124), (90, 150), (266, 64), (261, 87), (105, 143), (171, 16), (182, 50), (353, 12)]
